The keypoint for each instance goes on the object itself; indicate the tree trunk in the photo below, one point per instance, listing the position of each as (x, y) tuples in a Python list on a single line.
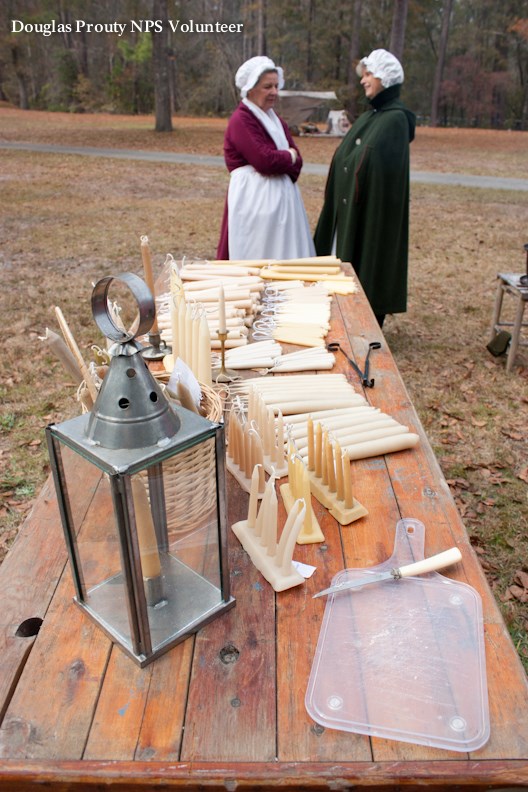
[(160, 56), (261, 27), (354, 56), (23, 101), (446, 19), (399, 22)]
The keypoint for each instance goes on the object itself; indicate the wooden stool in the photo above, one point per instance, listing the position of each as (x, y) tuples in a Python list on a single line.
[(510, 283)]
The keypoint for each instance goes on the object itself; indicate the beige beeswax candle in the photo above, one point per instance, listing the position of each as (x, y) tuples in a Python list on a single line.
[(204, 353), (253, 497), (340, 481), (318, 450), (311, 444), (347, 476), (148, 544), (330, 472), (271, 520), (149, 277), (222, 328)]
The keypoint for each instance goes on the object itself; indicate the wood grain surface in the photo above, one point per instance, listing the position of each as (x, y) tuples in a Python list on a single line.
[(225, 708)]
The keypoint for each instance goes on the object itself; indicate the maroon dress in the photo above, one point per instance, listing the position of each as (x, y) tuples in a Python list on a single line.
[(246, 142)]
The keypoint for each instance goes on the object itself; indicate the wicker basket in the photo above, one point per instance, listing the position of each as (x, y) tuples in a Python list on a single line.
[(189, 477)]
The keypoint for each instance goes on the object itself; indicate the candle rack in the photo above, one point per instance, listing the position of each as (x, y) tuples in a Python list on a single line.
[(258, 537), (298, 486), (271, 432), (244, 451), (330, 477)]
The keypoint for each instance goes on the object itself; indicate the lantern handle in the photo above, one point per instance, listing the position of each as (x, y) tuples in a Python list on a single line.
[(102, 315)]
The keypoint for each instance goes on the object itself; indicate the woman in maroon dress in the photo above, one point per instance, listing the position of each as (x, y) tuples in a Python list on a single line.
[(264, 215)]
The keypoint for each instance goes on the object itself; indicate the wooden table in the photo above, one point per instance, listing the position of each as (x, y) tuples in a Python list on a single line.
[(225, 709)]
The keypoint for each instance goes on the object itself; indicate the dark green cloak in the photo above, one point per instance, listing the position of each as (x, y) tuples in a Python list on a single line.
[(367, 201)]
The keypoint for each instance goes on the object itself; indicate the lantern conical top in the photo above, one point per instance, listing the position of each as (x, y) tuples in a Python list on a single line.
[(130, 410)]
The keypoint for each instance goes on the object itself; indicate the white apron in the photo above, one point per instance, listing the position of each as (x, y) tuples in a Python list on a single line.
[(266, 214)]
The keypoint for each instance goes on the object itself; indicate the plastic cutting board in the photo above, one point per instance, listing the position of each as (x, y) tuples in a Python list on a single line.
[(403, 659)]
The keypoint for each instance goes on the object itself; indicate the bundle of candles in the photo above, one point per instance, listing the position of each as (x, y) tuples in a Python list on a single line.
[(271, 432), (190, 337), (268, 355), (242, 286), (324, 269), (258, 536), (360, 429), (301, 393), (295, 315), (218, 309)]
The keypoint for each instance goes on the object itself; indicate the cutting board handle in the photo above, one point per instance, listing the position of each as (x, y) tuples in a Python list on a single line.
[(431, 564)]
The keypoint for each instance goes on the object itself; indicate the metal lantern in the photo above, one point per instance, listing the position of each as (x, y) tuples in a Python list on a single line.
[(141, 491)]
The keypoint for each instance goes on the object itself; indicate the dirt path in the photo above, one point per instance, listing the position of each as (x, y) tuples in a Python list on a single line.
[(312, 168)]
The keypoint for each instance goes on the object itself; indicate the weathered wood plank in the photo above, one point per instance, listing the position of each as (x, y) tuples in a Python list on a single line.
[(52, 707), (300, 616), (231, 705), (28, 579), (139, 776)]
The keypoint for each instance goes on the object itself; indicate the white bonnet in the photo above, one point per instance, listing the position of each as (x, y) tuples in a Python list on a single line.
[(384, 65), (249, 73)]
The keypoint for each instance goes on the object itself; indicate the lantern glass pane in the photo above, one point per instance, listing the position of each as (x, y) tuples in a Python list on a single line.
[(146, 547), (96, 544)]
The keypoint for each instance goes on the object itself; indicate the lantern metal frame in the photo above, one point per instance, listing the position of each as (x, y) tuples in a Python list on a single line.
[(160, 612)]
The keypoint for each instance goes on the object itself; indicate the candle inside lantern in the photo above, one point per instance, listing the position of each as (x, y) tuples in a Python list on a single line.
[(148, 543), (204, 352)]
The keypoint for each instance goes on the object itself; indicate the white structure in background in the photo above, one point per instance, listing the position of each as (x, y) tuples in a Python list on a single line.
[(300, 108)]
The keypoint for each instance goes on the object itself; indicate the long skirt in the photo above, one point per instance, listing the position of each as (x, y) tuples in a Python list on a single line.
[(266, 217)]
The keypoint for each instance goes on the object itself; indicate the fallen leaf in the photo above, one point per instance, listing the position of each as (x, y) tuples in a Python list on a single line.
[(523, 475), (512, 434), (519, 593), (480, 424), (521, 577)]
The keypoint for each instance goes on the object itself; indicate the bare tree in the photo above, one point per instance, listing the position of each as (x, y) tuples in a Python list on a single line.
[(162, 70), (399, 22), (354, 55), (440, 63), (261, 27)]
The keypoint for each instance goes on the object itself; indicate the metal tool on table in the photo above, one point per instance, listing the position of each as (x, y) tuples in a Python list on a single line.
[(431, 564), (335, 346), (369, 383)]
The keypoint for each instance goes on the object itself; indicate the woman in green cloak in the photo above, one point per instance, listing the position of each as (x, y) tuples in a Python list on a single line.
[(365, 216)]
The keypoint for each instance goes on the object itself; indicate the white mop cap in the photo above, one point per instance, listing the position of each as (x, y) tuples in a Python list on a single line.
[(250, 72), (384, 65)]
